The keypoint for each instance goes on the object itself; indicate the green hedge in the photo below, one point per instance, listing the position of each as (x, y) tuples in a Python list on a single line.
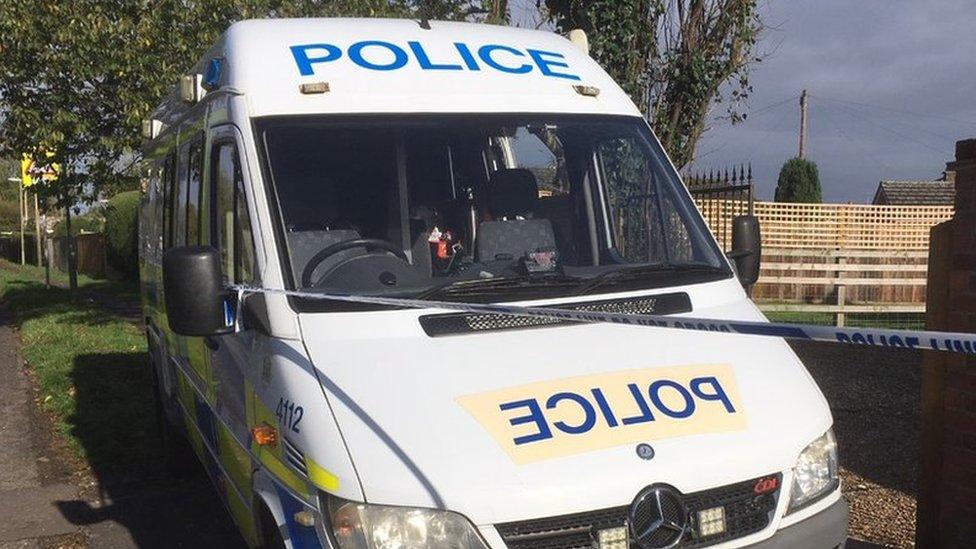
[(122, 233), (92, 221)]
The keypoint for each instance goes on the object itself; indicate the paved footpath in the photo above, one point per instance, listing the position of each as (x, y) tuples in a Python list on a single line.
[(28, 512), (42, 505)]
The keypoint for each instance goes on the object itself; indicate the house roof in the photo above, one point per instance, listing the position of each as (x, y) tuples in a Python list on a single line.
[(915, 193)]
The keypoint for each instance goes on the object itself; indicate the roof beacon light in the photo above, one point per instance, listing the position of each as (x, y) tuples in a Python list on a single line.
[(191, 88), (211, 76), (311, 88), (580, 40), (151, 128), (588, 91)]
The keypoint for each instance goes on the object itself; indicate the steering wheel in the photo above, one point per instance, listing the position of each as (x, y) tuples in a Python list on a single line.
[(368, 243)]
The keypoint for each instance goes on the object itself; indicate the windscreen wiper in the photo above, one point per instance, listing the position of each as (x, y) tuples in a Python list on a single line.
[(639, 271), (480, 285)]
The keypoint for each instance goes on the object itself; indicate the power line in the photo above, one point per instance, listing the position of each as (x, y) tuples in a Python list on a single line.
[(896, 111), (777, 127), (910, 127), (892, 131), (838, 129), (773, 105), (758, 112), (769, 134)]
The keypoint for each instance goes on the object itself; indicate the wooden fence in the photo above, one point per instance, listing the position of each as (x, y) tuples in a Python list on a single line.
[(849, 226), (839, 259), (10, 247), (90, 255), (831, 226), (842, 281)]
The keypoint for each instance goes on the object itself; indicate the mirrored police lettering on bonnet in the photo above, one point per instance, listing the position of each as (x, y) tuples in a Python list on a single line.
[(465, 164), (685, 406)]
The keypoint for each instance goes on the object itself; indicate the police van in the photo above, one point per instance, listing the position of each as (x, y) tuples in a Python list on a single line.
[(303, 163)]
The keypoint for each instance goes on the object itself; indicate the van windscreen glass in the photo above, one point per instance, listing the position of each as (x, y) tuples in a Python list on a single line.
[(481, 207)]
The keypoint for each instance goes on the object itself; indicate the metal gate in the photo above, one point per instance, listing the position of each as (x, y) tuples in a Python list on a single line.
[(721, 197)]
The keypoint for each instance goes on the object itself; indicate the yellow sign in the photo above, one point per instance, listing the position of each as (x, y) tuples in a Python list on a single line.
[(32, 172), (552, 419)]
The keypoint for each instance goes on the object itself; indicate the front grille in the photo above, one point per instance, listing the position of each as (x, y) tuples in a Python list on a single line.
[(466, 323), (745, 513)]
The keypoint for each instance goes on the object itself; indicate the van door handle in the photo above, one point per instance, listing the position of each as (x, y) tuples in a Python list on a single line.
[(211, 343)]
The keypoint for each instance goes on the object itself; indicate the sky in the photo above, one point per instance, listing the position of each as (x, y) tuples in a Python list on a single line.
[(891, 89)]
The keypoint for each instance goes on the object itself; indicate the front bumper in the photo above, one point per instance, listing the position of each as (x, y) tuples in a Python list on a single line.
[(825, 530)]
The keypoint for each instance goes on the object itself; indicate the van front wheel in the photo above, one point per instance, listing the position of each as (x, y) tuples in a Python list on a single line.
[(270, 531)]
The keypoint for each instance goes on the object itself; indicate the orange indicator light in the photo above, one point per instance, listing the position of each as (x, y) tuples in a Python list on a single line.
[(265, 435)]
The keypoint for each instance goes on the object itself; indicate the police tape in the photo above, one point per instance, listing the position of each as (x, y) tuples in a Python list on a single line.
[(950, 342)]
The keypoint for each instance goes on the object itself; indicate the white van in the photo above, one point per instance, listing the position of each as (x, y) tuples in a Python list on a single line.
[(471, 164)]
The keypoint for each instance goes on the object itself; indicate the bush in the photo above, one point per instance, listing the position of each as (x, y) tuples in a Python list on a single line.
[(92, 221), (122, 233), (799, 181)]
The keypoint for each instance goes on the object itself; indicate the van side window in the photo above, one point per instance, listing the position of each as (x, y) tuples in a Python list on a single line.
[(244, 251), (232, 225), (168, 198), (193, 212), (645, 224), (633, 200), (180, 195)]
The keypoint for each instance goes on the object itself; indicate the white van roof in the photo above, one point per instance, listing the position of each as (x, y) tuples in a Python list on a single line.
[(397, 66)]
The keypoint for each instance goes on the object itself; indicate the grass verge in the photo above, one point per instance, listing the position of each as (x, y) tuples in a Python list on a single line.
[(90, 368), (125, 290), (902, 321)]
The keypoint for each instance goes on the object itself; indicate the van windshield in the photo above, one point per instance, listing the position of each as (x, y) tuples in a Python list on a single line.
[(481, 207)]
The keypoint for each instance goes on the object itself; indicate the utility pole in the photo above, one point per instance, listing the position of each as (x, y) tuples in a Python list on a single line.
[(37, 226), (72, 258), (23, 222), (803, 123)]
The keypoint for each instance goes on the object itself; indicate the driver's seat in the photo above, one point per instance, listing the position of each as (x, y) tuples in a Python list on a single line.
[(514, 199), (302, 245)]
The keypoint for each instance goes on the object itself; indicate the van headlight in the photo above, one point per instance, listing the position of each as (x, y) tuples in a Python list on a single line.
[(815, 472), (367, 526)]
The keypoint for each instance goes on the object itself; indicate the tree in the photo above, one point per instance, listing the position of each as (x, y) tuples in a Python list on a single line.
[(483, 11), (672, 56), (9, 196), (799, 181), (79, 77)]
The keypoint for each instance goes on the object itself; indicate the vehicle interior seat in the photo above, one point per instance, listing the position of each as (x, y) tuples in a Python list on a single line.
[(302, 245), (559, 211), (513, 196), (421, 223)]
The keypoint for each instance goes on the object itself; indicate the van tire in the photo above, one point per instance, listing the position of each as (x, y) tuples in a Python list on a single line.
[(270, 533)]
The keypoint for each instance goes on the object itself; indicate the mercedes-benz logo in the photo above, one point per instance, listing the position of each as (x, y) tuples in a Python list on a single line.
[(658, 517), (645, 451)]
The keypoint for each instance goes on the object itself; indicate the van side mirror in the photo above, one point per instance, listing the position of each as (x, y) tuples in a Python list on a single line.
[(746, 248), (196, 302)]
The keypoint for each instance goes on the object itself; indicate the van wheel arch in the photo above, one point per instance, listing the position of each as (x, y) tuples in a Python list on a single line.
[(269, 531), (267, 513)]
